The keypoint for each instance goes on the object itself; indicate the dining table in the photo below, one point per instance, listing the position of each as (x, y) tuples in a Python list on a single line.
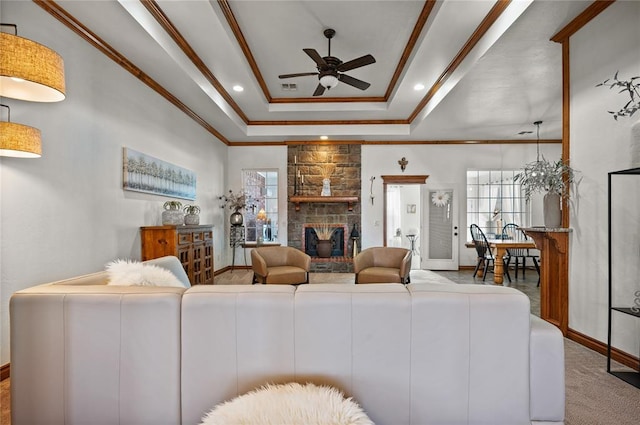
[(499, 249)]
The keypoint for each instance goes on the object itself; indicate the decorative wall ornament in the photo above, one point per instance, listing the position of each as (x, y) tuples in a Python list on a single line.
[(144, 173), (403, 163), (371, 190), (440, 198)]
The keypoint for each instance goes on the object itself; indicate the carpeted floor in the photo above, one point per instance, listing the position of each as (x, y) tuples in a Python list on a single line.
[(593, 397)]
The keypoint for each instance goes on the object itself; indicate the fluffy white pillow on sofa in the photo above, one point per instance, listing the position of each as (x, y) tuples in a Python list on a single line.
[(289, 404), (128, 273)]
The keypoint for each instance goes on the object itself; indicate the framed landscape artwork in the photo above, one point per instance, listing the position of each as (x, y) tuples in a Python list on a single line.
[(144, 173)]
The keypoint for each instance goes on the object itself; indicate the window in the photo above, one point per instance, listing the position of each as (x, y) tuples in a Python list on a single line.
[(261, 221), (494, 199)]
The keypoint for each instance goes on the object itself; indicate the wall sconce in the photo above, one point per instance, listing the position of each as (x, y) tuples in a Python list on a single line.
[(19, 141), (28, 70), (403, 163)]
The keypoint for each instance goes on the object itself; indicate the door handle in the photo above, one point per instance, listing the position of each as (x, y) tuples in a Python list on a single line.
[(455, 234)]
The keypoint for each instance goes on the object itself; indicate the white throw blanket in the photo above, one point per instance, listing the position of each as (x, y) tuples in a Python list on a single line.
[(289, 404)]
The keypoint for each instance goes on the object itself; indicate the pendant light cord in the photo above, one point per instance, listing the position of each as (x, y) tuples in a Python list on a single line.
[(537, 124)]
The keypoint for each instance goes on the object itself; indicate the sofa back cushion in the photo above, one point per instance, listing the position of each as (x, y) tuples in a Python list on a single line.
[(388, 256), (423, 354), (95, 354), (274, 256)]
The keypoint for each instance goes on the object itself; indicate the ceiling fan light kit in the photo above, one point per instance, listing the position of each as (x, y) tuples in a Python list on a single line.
[(330, 69)]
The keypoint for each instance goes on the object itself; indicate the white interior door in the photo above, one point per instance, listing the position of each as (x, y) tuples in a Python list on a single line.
[(440, 229)]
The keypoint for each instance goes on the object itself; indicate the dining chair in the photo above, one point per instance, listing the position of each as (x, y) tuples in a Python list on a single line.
[(485, 256), (514, 232)]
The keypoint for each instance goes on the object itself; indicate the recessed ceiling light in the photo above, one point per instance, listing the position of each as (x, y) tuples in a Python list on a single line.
[(418, 87), (238, 88), (324, 137)]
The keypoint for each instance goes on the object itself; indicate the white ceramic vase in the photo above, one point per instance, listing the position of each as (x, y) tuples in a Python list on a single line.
[(326, 187)]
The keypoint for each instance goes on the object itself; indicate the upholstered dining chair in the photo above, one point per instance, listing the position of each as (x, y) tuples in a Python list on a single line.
[(483, 250), (513, 231)]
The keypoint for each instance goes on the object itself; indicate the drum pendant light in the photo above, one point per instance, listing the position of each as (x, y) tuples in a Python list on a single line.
[(29, 71), (17, 140)]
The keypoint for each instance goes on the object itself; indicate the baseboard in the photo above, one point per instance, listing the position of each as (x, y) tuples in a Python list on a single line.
[(600, 347), (226, 269), (5, 371)]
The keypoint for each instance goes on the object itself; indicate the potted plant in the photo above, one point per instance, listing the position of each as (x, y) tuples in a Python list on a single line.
[(172, 214), (192, 214), (324, 232), (236, 202), (631, 87), (550, 178)]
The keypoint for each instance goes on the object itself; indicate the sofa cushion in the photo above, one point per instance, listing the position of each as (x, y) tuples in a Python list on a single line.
[(286, 274), (379, 274)]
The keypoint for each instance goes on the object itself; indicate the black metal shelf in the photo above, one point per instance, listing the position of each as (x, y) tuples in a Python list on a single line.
[(633, 311), (631, 377)]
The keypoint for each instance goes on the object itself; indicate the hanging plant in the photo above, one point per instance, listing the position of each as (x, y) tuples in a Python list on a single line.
[(440, 198), (632, 88)]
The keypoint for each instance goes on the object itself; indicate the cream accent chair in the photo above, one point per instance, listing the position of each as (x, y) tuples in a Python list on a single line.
[(383, 265), (280, 264)]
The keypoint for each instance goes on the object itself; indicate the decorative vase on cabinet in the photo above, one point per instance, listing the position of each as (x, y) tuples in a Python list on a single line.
[(172, 214)]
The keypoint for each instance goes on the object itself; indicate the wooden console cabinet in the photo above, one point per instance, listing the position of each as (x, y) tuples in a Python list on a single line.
[(193, 245)]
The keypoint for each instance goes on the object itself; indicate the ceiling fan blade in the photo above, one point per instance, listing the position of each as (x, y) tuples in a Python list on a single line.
[(356, 63), (313, 54), (301, 74), (319, 90), (359, 84)]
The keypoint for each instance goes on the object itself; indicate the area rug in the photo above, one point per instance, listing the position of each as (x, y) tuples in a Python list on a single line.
[(291, 403), (427, 276)]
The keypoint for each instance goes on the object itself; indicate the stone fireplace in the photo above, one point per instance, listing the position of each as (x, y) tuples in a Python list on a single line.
[(306, 163)]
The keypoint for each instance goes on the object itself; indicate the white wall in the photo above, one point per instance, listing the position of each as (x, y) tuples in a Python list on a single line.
[(599, 144), (66, 214), (444, 164)]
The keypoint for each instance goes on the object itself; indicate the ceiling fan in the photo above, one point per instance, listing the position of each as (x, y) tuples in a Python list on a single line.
[(330, 68)]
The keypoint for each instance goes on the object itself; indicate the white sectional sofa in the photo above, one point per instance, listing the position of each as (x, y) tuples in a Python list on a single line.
[(83, 352)]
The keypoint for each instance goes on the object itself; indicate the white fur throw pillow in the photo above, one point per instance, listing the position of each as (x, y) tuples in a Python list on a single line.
[(289, 404), (128, 273)]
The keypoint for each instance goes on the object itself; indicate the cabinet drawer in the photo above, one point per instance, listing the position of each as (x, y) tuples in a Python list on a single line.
[(197, 237), (184, 238), (207, 235)]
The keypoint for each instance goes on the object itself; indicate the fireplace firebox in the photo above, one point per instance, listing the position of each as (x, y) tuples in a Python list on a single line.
[(338, 240)]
